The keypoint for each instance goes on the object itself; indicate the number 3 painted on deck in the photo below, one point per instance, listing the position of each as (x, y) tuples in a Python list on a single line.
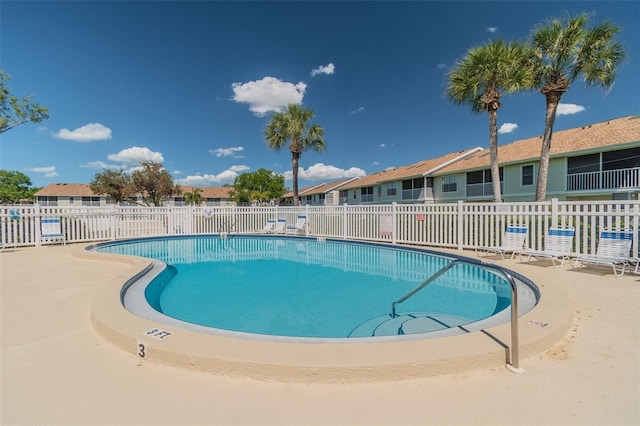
[(142, 350)]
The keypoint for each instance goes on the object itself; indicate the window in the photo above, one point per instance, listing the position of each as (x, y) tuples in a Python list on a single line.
[(48, 201), (366, 194), (412, 188), (450, 184), (623, 159), (479, 182), (391, 189), (527, 175), (583, 164), (90, 201)]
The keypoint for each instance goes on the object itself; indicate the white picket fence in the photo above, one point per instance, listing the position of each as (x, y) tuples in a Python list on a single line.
[(454, 225)]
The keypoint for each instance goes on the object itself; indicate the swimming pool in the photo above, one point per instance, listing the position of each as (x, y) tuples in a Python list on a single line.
[(302, 288)]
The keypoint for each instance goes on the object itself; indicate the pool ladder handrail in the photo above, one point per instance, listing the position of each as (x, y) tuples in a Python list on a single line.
[(514, 364)]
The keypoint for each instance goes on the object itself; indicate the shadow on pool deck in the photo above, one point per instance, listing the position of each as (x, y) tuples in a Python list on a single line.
[(57, 370)]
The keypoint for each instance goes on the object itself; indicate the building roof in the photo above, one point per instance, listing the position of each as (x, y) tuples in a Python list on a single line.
[(421, 168), (322, 188), (612, 133), (66, 190), (84, 190), (209, 191)]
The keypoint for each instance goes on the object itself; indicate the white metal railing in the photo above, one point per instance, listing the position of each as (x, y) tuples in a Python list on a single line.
[(607, 179), (460, 225)]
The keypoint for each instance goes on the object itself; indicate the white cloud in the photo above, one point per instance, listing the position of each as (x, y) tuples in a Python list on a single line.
[(357, 110), (382, 146), (492, 30), (240, 168), (87, 133), (100, 165), (176, 172), (135, 155), (320, 171), (48, 171), (268, 94), (323, 69), (507, 128), (225, 152), (227, 176), (568, 109), (442, 66)]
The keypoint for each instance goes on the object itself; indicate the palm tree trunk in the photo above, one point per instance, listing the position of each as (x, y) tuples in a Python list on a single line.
[(295, 159), (552, 98), (493, 154)]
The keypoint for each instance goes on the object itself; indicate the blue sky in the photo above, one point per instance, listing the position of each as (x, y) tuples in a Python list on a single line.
[(193, 84)]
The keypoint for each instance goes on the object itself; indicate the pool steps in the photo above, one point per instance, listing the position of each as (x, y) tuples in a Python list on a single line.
[(409, 323)]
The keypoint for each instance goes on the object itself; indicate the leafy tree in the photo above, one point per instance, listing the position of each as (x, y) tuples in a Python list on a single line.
[(193, 197), (292, 126), (117, 185), (480, 78), (15, 186), (564, 52), (15, 111), (153, 183), (261, 186)]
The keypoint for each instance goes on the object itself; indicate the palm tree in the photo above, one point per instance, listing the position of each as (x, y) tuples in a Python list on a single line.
[(292, 125), (564, 52), (478, 80), (193, 197)]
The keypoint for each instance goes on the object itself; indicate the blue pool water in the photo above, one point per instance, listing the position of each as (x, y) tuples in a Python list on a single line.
[(307, 288)]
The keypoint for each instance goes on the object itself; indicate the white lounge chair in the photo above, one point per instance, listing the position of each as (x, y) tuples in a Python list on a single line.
[(613, 250), (269, 226), (512, 242), (300, 225), (281, 226), (51, 231), (558, 243)]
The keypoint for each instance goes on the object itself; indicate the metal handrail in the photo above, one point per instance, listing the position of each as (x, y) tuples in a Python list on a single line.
[(514, 364)]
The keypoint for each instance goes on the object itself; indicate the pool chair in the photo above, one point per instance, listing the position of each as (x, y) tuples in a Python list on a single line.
[(269, 226), (281, 226), (558, 243), (14, 216), (51, 231), (613, 250), (300, 226), (512, 242)]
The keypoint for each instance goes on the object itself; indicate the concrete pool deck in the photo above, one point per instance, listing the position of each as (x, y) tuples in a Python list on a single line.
[(57, 370)]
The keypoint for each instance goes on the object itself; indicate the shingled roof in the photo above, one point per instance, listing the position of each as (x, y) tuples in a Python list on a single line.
[(612, 133), (84, 190), (66, 190), (321, 188), (421, 168)]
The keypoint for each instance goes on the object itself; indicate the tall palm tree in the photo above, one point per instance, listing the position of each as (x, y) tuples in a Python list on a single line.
[(565, 51), (292, 126), (194, 197), (480, 78)]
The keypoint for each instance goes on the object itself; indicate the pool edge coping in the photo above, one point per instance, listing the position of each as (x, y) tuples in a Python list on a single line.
[(326, 362)]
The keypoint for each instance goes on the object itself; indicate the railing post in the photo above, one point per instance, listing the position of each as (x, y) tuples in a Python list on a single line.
[(554, 212), (306, 212), (460, 224), (394, 222), (344, 221), (37, 221)]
